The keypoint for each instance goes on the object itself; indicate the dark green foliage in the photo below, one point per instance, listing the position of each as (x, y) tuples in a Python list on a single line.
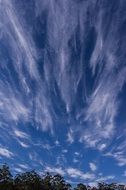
[(81, 186), (6, 181), (32, 181), (47, 182), (27, 181), (58, 183)]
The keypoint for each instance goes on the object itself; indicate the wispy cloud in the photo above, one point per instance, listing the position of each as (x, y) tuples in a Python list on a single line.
[(105, 178), (118, 156), (64, 151), (70, 137), (71, 172), (68, 84), (23, 166), (99, 107), (124, 173), (19, 170), (55, 170), (6, 153), (75, 160), (23, 55), (21, 134), (24, 145), (118, 151), (75, 173), (15, 24), (92, 166)]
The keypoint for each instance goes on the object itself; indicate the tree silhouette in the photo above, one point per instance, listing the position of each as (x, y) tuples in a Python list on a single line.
[(58, 183), (33, 181), (6, 181), (46, 182), (28, 181), (81, 186)]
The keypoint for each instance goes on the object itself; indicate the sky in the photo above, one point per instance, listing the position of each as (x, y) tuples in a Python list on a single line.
[(63, 88)]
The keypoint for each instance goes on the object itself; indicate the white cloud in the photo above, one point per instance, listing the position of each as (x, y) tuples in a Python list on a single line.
[(93, 167), (47, 146), (6, 153), (57, 143), (124, 173), (42, 112), (101, 104), (75, 173), (24, 145), (119, 156), (77, 153), (23, 166), (61, 159), (105, 178), (24, 56), (21, 134), (14, 108), (64, 150), (75, 160), (23, 38), (70, 137), (19, 170), (101, 146), (55, 170), (72, 172)]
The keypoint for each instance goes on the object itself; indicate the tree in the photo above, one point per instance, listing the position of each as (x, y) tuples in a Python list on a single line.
[(6, 180), (58, 183), (32, 181), (28, 181), (46, 182), (80, 186)]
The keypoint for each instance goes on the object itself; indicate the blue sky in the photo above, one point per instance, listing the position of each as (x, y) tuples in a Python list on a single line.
[(62, 88)]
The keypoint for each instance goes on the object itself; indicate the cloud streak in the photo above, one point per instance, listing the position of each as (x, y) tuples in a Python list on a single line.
[(6, 153), (63, 74)]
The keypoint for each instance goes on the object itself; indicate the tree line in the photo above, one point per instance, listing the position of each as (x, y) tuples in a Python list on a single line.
[(31, 180)]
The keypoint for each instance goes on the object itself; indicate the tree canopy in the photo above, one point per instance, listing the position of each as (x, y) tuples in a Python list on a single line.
[(32, 181)]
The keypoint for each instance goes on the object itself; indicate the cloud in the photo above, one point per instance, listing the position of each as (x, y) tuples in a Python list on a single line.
[(105, 178), (64, 151), (23, 166), (71, 172), (70, 137), (23, 57), (118, 151), (77, 153), (101, 146), (62, 83), (47, 146), (21, 134), (75, 160), (11, 106), (24, 145), (16, 25), (119, 157), (22, 138), (75, 173), (102, 110), (55, 170), (19, 170), (6, 153), (92, 166), (61, 160), (59, 76), (124, 173), (57, 143)]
